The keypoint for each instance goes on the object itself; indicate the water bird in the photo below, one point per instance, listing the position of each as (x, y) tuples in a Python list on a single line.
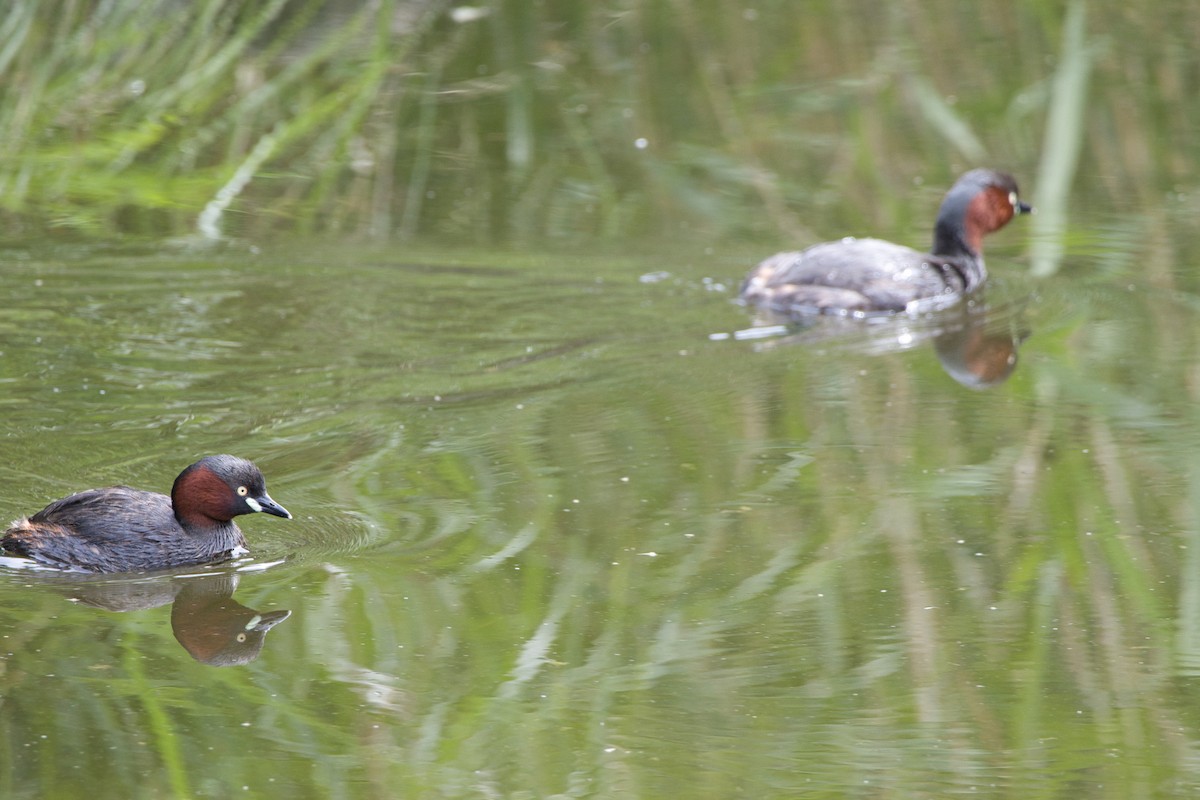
[(119, 529), (864, 276)]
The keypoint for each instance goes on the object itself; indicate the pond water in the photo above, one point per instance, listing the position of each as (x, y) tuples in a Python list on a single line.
[(570, 522), (562, 528)]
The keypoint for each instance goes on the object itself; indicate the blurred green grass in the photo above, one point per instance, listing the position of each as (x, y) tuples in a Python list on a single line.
[(510, 121)]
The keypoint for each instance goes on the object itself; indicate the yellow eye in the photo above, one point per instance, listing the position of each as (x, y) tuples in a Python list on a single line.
[(243, 491)]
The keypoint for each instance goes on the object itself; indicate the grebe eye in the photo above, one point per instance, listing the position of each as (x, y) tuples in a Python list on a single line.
[(243, 491), (1013, 199)]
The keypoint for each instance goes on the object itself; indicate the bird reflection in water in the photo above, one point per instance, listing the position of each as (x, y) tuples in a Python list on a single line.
[(975, 343), (211, 626)]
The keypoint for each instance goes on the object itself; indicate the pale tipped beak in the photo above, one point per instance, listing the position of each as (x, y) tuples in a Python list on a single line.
[(265, 504), (264, 622)]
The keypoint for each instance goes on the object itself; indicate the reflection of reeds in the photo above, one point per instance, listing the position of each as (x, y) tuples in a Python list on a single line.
[(593, 564), (850, 578)]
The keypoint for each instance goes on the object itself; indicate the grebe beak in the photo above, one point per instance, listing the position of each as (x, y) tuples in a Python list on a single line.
[(1024, 208), (265, 504)]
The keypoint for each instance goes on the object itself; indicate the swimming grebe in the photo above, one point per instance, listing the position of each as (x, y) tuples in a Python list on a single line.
[(871, 275), (119, 529)]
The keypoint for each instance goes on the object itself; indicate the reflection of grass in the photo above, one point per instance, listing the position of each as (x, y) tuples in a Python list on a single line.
[(160, 729), (627, 569), (829, 606)]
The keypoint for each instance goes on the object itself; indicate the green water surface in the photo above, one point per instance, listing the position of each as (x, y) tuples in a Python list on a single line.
[(569, 522), (555, 537)]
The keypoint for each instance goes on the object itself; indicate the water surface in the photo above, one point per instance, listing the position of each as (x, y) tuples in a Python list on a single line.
[(560, 531), (564, 527)]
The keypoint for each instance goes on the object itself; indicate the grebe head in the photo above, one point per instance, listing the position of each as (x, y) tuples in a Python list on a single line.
[(980, 202)]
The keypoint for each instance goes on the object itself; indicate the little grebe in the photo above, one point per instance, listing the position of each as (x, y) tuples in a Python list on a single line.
[(119, 529), (870, 275)]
